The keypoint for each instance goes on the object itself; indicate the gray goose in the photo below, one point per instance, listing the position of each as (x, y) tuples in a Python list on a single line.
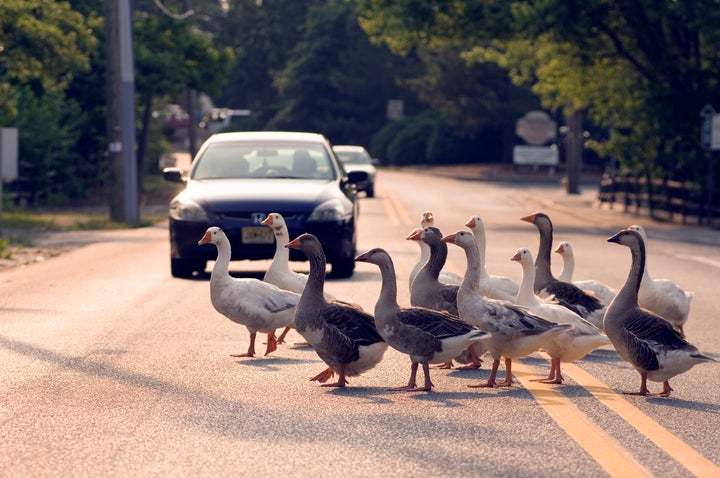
[(586, 305), (648, 342), (515, 332), (343, 335), (426, 335), (427, 291), (663, 296)]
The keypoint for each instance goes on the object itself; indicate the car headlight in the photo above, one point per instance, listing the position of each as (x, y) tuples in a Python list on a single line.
[(186, 210), (332, 210)]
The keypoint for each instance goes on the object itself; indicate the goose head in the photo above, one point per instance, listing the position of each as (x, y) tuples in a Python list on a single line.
[(523, 256), (213, 235)]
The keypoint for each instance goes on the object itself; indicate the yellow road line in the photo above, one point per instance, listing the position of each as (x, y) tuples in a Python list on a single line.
[(680, 451), (390, 208), (399, 215), (604, 449)]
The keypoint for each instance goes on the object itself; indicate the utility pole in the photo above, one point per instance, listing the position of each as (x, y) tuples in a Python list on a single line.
[(120, 103), (191, 106), (573, 148)]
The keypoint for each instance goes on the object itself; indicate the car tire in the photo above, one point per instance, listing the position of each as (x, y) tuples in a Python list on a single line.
[(343, 268), (184, 269), (370, 192)]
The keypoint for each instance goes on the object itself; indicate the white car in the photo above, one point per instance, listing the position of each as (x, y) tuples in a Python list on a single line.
[(356, 158)]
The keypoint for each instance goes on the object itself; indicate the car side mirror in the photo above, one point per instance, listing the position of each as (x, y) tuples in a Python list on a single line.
[(355, 177), (174, 175)]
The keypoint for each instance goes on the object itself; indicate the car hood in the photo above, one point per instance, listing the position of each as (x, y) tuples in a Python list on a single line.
[(219, 195)]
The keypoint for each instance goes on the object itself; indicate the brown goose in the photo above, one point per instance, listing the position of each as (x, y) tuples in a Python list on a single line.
[(648, 342), (426, 335), (259, 306), (515, 332), (586, 305), (342, 335)]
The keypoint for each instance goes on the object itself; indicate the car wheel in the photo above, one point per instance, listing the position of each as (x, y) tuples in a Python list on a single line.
[(184, 269), (370, 192), (343, 268)]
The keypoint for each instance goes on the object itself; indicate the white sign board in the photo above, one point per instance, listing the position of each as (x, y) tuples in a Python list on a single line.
[(532, 155), (536, 128), (8, 154), (715, 133)]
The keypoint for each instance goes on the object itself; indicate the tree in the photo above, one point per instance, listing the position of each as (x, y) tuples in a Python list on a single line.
[(641, 68)]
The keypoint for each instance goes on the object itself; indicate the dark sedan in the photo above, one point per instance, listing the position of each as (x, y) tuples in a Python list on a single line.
[(236, 179)]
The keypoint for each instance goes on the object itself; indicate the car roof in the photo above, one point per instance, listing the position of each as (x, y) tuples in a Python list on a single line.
[(268, 136)]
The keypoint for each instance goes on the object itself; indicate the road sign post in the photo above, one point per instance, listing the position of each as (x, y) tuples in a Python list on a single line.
[(710, 141)]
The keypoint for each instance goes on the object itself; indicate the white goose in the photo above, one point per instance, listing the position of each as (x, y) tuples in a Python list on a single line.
[(492, 286), (602, 291), (279, 272), (426, 335), (259, 306), (515, 332), (648, 342), (567, 346), (663, 296), (586, 305), (342, 334), (446, 277)]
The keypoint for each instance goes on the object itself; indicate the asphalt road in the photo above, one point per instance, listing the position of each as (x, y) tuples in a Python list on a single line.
[(109, 366)]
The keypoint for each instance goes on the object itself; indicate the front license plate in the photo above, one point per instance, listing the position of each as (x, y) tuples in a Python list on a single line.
[(257, 235)]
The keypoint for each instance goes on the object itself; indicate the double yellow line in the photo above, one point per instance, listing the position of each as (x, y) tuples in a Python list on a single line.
[(615, 459)]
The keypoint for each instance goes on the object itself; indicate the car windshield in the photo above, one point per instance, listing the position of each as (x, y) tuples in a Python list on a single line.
[(351, 157), (228, 160)]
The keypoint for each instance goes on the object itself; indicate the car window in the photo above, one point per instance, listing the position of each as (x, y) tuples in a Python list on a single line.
[(351, 157), (280, 160)]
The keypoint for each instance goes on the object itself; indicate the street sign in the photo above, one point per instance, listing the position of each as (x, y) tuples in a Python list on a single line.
[(709, 129)]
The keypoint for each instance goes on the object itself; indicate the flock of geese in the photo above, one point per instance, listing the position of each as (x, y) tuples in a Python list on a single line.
[(462, 318)]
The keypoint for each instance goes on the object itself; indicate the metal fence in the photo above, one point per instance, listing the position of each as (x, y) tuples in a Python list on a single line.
[(662, 199)]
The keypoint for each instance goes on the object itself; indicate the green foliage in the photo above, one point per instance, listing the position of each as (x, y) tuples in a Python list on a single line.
[(48, 165)]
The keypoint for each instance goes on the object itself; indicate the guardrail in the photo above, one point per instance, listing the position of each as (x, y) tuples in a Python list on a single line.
[(662, 199)]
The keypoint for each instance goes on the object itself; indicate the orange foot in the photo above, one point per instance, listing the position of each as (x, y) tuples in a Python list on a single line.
[(323, 376)]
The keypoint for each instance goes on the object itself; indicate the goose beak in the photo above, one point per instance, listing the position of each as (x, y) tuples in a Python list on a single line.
[(516, 257), (268, 221), (294, 244), (471, 223), (207, 237), (362, 257), (560, 249), (615, 238), (450, 238), (530, 218), (415, 235)]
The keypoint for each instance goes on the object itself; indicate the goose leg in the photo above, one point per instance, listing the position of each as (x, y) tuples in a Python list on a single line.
[(508, 374), (251, 348), (428, 383), (446, 366), (491, 380), (554, 376), (643, 386), (281, 338), (412, 383), (476, 361), (341, 378), (271, 343)]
